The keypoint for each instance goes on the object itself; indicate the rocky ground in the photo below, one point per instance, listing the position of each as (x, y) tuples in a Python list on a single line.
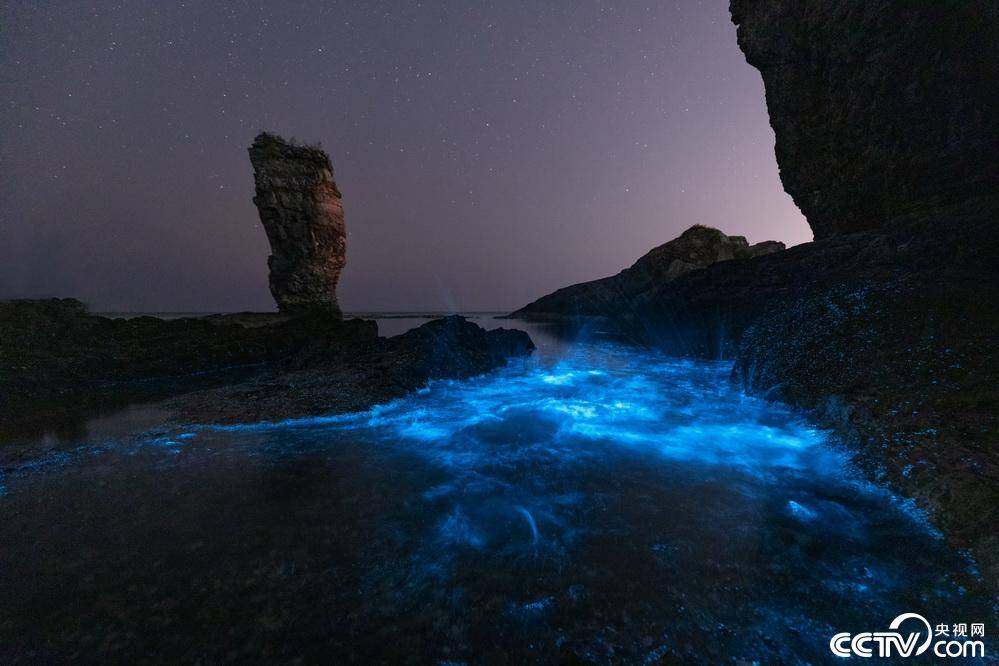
[(336, 378), (60, 365), (904, 367)]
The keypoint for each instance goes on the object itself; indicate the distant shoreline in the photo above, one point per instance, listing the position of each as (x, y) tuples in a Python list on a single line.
[(362, 314)]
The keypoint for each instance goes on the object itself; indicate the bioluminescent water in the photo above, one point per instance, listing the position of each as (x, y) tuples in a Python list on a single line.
[(595, 502)]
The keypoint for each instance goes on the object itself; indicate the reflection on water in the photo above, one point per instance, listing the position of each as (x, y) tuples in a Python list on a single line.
[(592, 502)]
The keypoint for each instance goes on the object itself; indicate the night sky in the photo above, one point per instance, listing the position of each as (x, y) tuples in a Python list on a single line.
[(488, 152)]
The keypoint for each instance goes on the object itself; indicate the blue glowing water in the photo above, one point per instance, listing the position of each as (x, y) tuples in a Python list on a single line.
[(595, 501), (507, 442)]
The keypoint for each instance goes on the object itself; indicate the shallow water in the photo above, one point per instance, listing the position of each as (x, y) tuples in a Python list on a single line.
[(594, 501)]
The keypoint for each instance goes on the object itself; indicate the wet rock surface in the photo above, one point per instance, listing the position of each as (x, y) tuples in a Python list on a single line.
[(60, 365), (889, 334), (329, 377), (698, 247), (301, 210), (882, 123), (905, 369)]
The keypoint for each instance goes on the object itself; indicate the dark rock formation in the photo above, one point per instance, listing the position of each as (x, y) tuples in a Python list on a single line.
[(301, 211), (884, 115), (324, 378), (696, 248), (905, 370), (60, 365), (880, 108), (705, 312), (454, 347), (887, 326)]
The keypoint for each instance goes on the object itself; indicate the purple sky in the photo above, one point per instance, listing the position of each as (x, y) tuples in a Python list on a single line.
[(488, 152)]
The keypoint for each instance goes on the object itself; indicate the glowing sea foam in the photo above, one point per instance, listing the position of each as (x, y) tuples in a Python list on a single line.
[(509, 440)]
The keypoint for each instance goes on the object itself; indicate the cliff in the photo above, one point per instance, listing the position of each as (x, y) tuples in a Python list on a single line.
[(880, 108), (887, 325), (302, 213)]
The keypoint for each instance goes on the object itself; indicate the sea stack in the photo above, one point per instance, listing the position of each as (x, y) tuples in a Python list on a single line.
[(302, 213)]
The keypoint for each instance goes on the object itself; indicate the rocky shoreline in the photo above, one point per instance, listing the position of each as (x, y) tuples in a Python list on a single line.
[(886, 138), (61, 365), (698, 247), (885, 326), (888, 336), (338, 378)]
